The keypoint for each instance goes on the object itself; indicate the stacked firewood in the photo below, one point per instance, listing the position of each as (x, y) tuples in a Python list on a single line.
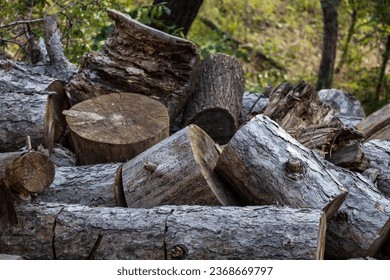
[(149, 152)]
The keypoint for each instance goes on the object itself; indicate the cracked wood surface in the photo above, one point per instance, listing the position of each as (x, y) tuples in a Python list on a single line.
[(55, 231)]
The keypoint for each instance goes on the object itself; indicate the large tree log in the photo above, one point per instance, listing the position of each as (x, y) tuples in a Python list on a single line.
[(116, 127), (378, 154), (140, 59), (264, 165), (361, 225), (299, 111), (90, 185), (178, 170), (216, 103), (52, 231), (376, 125)]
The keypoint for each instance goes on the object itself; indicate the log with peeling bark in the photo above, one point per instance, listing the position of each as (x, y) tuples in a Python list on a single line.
[(301, 113), (116, 127), (361, 226), (90, 185), (264, 165), (178, 170), (53, 231), (378, 154), (137, 58), (376, 125), (216, 103)]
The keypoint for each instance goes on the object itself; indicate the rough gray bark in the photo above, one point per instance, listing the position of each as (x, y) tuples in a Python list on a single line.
[(252, 104), (378, 153), (361, 225), (90, 185), (350, 156), (264, 165), (22, 115), (116, 127), (216, 103), (53, 231), (62, 157), (376, 125), (139, 59), (344, 103), (178, 170), (10, 257)]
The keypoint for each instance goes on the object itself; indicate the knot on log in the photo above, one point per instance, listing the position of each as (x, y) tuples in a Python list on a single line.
[(179, 252), (150, 166), (294, 165)]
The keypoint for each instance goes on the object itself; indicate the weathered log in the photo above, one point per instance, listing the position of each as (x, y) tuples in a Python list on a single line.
[(378, 154), (116, 127), (52, 231), (299, 111), (361, 225), (351, 157), (376, 125), (22, 115), (90, 185), (26, 173), (178, 170), (140, 59), (216, 103), (344, 103), (264, 165)]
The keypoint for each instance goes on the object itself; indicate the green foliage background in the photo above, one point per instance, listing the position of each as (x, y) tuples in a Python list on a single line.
[(287, 31)]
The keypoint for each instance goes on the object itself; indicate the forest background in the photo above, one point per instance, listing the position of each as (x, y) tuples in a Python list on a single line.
[(275, 40)]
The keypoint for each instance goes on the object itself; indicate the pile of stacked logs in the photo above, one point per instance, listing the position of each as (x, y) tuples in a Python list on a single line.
[(149, 152)]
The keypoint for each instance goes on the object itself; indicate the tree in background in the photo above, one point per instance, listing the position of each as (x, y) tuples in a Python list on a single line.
[(329, 44)]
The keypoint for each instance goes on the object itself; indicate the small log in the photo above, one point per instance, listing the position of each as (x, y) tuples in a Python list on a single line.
[(216, 103), (378, 154), (90, 185), (116, 127), (140, 59), (361, 225), (26, 173), (376, 125), (53, 231), (178, 170), (299, 111), (264, 165)]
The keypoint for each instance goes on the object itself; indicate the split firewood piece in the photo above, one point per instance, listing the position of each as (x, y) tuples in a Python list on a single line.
[(299, 111), (378, 154), (216, 103), (140, 59), (178, 170), (361, 226), (116, 127), (90, 185), (29, 114), (376, 125), (264, 165), (53, 231)]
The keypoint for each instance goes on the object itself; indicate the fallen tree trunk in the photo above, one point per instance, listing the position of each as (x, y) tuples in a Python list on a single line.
[(216, 103), (116, 127), (361, 225), (264, 165), (53, 231), (376, 125), (139, 59), (178, 170), (378, 154), (90, 185)]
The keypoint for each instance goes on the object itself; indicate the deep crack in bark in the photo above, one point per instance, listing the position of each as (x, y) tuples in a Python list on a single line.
[(91, 255), (53, 247), (165, 233)]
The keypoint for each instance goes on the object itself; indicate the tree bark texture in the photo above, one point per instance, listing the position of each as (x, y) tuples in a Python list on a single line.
[(329, 44), (361, 225), (139, 59), (62, 157), (116, 127), (376, 125), (53, 231), (351, 157), (299, 111), (216, 103), (182, 13), (264, 165), (90, 185), (178, 171), (343, 103), (378, 154)]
